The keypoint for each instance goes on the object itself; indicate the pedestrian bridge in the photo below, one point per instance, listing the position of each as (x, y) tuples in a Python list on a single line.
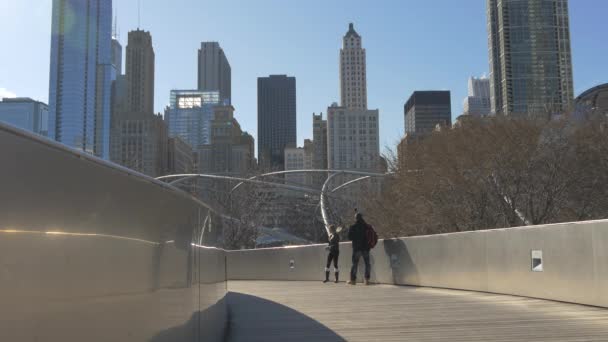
[(93, 252)]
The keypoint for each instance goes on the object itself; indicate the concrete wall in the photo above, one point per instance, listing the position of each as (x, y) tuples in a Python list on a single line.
[(575, 262), (93, 252)]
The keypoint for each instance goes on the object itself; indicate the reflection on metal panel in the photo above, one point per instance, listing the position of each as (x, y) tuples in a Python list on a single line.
[(93, 252)]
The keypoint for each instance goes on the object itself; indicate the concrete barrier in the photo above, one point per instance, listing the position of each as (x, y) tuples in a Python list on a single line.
[(574, 262), (90, 251)]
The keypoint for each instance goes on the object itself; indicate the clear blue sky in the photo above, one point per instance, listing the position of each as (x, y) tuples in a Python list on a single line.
[(411, 45)]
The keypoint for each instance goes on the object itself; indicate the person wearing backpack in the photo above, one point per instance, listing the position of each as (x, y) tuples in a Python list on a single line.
[(363, 239)]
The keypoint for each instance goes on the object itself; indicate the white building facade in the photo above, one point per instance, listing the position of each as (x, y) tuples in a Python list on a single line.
[(353, 139), (299, 158), (353, 84), (477, 103)]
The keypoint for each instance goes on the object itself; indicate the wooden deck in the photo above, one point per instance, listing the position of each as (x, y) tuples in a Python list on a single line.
[(313, 311)]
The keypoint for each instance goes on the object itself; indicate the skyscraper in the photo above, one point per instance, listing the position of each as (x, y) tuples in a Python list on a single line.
[(530, 57), (140, 73), (353, 84), (139, 137), (276, 119), (189, 115), (319, 134), (81, 75), (214, 73), (425, 110), (478, 101)]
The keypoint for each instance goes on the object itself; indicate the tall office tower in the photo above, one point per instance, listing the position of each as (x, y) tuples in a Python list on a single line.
[(81, 75), (139, 137), (214, 73), (140, 73), (189, 115), (25, 113), (276, 119), (478, 101), (352, 139), (353, 84), (319, 135), (530, 57), (425, 110)]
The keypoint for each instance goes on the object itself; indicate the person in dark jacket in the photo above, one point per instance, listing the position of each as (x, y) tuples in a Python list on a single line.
[(356, 234), (334, 252)]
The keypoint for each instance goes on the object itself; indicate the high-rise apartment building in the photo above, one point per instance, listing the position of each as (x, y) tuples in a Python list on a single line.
[(425, 110), (140, 73), (353, 84), (353, 139), (276, 119), (214, 73), (530, 56), (478, 101), (81, 75), (189, 115), (25, 113), (319, 135)]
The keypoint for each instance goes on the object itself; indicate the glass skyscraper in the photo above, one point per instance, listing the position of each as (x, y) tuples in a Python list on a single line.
[(81, 75), (530, 57), (25, 113), (189, 115)]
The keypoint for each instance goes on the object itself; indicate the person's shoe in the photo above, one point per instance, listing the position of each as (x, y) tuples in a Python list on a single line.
[(351, 282), (325, 281), (366, 281)]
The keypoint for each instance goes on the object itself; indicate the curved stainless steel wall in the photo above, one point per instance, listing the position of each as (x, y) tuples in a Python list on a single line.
[(575, 262), (93, 252)]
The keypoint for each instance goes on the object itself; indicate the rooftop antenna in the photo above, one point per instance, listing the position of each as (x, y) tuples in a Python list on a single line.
[(138, 14)]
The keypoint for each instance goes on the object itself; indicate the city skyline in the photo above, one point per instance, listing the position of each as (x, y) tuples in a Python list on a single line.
[(391, 78)]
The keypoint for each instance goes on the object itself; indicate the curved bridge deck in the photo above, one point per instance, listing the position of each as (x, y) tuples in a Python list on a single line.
[(313, 311)]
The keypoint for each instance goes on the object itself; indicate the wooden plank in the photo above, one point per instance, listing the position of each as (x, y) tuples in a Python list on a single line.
[(313, 311)]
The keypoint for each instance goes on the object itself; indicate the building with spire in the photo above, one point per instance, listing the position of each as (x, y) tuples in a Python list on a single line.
[(353, 130), (353, 84)]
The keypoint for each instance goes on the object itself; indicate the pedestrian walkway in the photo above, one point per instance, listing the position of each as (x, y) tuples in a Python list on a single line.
[(312, 311)]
